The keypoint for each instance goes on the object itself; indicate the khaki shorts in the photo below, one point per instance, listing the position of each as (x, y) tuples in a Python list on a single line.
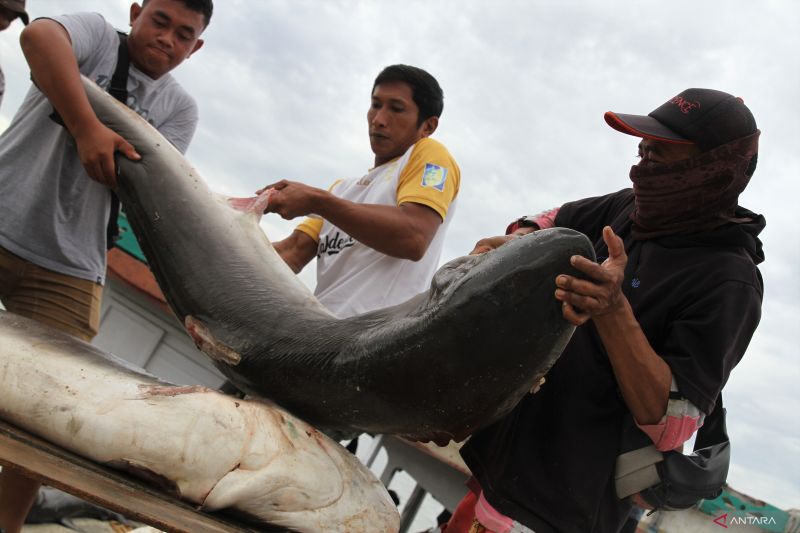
[(63, 302)]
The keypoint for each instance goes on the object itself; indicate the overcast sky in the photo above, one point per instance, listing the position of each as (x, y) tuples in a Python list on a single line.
[(283, 89)]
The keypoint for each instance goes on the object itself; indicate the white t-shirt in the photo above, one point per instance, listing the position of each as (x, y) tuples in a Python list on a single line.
[(51, 213), (353, 278)]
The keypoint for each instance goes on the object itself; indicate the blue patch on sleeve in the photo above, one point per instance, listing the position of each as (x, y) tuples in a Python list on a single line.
[(434, 176)]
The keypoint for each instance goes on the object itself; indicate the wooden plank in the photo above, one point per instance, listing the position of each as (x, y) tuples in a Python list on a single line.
[(108, 488)]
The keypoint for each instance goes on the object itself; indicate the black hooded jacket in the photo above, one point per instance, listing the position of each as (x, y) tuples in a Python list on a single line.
[(550, 463)]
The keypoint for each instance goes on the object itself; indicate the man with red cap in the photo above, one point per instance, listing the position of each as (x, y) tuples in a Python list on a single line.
[(10, 10), (662, 318)]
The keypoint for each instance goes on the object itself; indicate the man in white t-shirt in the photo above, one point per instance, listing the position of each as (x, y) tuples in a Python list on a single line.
[(54, 180), (378, 238)]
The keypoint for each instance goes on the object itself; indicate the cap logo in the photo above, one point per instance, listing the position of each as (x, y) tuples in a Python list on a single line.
[(685, 105)]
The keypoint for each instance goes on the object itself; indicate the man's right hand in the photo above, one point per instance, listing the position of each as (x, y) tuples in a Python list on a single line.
[(291, 199), (96, 147)]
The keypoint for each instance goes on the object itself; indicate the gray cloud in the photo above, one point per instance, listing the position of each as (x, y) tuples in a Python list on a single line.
[(283, 88)]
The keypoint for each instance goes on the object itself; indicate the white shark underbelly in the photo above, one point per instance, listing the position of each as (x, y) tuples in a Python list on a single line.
[(210, 449)]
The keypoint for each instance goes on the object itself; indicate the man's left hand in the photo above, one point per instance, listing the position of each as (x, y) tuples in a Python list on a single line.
[(601, 293)]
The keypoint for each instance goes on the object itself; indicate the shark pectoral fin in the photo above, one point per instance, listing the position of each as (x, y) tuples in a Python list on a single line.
[(208, 344), (254, 204)]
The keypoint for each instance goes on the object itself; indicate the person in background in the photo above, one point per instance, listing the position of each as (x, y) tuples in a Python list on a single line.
[(54, 179), (662, 318), (10, 10)]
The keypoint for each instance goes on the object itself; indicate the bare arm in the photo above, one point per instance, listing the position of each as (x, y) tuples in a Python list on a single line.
[(48, 50), (297, 250), (490, 243), (544, 220), (644, 378), (403, 231)]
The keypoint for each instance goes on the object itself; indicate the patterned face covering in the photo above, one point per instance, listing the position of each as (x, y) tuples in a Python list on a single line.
[(693, 195)]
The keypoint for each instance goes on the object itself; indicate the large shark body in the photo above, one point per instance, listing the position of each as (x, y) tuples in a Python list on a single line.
[(208, 448), (441, 365)]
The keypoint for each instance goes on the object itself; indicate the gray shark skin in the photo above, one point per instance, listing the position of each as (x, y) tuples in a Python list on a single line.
[(441, 365)]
